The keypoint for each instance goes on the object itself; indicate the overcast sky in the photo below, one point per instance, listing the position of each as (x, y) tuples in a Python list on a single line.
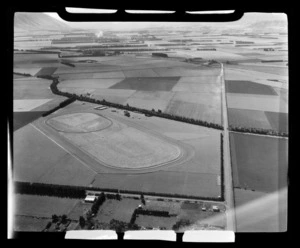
[(248, 17)]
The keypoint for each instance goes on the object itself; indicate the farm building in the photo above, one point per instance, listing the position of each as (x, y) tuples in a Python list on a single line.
[(215, 209), (160, 55), (90, 198), (100, 107), (269, 49)]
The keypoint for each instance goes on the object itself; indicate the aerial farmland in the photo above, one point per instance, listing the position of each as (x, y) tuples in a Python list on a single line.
[(167, 127)]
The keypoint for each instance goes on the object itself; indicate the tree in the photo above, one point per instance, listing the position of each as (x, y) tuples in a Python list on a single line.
[(118, 196), (54, 218), (143, 199), (63, 218), (81, 221), (48, 225)]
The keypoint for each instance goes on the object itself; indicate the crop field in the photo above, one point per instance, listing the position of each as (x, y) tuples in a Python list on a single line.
[(206, 159), (36, 60), (185, 72), (257, 102), (209, 99), (45, 71), (42, 206), (195, 111), (156, 222), (140, 73), (21, 119), (261, 67), (32, 71), (162, 182), (253, 76), (272, 209), (28, 105), (29, 224), (278, 121), (51, 104), (147, 83), (248, 118), (259, 163), (102, 83), (118, 210), (31, 88), (79, 209), (45, 160), (247, 87), (197, 88), (150, 99)]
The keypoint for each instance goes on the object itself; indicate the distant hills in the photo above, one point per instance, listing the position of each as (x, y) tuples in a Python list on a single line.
[(24, 22)]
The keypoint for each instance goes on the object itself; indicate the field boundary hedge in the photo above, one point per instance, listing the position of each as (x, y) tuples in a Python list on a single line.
[(261, 131), (80, 191)]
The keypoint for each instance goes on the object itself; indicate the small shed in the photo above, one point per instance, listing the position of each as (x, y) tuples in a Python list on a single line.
[(90, 198), (215, 209)]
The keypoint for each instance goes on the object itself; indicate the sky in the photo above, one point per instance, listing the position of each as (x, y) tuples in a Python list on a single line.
[(247, 18)]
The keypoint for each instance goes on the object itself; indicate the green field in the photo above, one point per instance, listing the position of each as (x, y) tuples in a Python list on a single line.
[(21, 119), (42, 206), (278, 121), (259, 163), (38, 159), (248, 118), (163, 182), (147, 83), (118, 210), (248, 87), (45, 71), (29, 224)]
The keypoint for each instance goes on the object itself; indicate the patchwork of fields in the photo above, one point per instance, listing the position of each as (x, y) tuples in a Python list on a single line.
[(176, 88), (260, 178), (81, 146)]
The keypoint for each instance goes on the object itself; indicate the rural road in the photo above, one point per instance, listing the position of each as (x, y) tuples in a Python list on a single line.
[(229, 200)]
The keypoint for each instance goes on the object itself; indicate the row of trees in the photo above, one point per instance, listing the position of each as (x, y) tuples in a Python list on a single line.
[(152, 112), (257, 131), (61, 105), (96, 205), (222, 167), (67, 63), (79, 191), (49, 190), (23, 74), (152, 212), (114, 196)]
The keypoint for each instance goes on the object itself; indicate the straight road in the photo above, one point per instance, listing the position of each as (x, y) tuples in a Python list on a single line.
[(229, 201)]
